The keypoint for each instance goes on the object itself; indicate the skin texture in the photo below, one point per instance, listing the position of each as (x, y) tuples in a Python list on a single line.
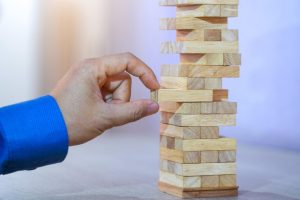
[(94, 95)]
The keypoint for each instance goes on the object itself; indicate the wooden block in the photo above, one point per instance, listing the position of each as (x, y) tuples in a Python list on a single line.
[(193, 23), (198, 120), (153, 96), (191, 157), (228, 180), (229, 35), (202, 10), (210, 181), (174, 95), (170, 166), (209, 156), (229, 10), (180, 132), (205, 169), (197, 193), (171, 155), (227, 156), (198, 71), (168, 142), (202, 59), (180, 181), (220, 144), (212, 35), (207, 35), (209, 132), (187, 83), (232, 59), (222, 107), (199, 47), (196, 2)]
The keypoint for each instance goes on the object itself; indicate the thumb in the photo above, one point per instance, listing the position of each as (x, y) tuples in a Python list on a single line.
[(133, 111)]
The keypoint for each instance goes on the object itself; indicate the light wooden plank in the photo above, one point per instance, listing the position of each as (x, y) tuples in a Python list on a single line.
[(232, 59), (210, 132), (223, 107), (180, 132), (196, 2), (199, 71), (191, 157), (203, 10), (198, 120), (199, 47), (220, 144), (186, 83), (207, 35), (210, 181), (229, 10), (174, 95), (209, 156), (180, 181), (227, 156), (171, 155), (193, 23), (228, 180)]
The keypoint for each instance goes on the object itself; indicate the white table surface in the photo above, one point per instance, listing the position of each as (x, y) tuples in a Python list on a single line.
[(125, 166)]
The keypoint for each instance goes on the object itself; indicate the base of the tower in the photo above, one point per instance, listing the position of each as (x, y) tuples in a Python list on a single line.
[(197, 193)]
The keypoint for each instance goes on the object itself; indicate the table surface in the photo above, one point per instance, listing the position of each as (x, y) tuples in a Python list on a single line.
[(125, 166)]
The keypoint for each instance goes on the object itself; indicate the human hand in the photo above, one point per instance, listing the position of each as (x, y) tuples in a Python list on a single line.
[(95, 95)]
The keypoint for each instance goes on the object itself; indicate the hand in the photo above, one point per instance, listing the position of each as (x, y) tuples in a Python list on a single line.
[(95, 95)]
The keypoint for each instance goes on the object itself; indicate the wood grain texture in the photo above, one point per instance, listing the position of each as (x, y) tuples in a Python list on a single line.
[(193, 23), (180, 181), (207, 35), (232, 59), (175, 95), (198, 120), (171, 155), (197, 193), (196, 2), (189, 132), (222, 107), (217, 59), (199, 47), (227, 156), (228, 180), (220, 144), (200, 71), (209, 156), (229, 10), (210, 181), (191, 157), (186, 83), (203, 10)]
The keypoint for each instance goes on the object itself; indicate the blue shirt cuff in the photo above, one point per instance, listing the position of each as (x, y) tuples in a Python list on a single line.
[(32, 134)]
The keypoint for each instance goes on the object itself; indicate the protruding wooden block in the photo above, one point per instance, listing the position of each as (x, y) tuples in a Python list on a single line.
[(186, 83), (153, 96), (198, 120), (193, 23), (209, 156), (202, 10), (227, 156), (175, 95), (199, 47), (189, 132), (229, 10), (210, 181), (198, 71), (228, 180), (196, 2), (222, 107), (220, 144), (232, 59), (207, 35)]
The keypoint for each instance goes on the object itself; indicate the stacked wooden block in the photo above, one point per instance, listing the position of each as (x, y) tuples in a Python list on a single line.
[(195, 160)]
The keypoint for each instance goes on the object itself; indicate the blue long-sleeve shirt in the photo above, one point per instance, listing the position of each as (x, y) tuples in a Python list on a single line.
[(32, 134)]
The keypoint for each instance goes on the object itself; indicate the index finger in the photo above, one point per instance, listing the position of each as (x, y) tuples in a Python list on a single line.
[(115, 64)]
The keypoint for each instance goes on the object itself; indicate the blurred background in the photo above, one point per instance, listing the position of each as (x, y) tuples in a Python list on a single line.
[(40, 40)]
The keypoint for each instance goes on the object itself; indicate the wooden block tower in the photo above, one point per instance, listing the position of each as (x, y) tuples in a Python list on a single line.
[(195, 160)]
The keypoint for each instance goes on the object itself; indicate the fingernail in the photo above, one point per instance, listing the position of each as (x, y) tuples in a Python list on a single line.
[(152, 108)]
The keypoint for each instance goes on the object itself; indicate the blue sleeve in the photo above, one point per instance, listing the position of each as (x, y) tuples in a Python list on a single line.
[(32, 134)]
